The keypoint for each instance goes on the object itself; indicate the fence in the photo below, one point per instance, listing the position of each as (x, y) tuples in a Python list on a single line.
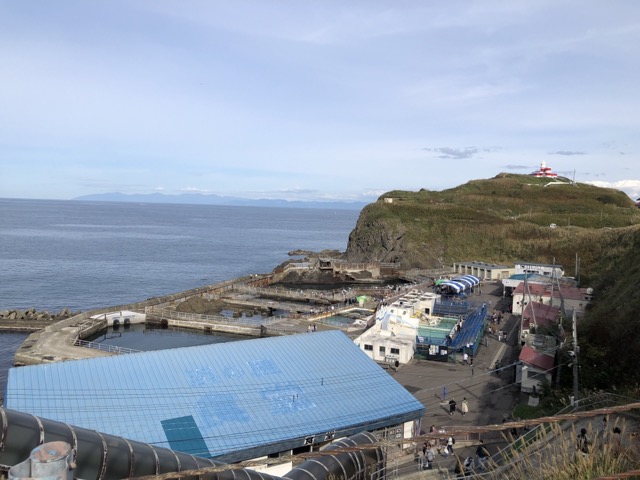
[(172, 314), (104, 348)]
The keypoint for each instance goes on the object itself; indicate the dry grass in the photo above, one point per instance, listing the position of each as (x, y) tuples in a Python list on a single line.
[(551, 454)]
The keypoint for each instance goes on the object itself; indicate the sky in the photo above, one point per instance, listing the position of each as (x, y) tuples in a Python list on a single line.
[(314, 100)]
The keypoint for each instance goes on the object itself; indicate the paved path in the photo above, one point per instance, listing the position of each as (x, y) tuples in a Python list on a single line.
[(491, 394)]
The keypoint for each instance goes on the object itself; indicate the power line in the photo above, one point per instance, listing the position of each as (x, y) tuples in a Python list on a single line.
[(415, 440)]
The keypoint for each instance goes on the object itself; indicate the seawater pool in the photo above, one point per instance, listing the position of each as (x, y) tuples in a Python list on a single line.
[(437, 334), (143, 337), (337, 321)]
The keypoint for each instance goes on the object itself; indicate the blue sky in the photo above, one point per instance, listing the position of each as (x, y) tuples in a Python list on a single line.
[(314, 100)]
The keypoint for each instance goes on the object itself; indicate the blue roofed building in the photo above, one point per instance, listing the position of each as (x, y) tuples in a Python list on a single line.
[(229, 401)]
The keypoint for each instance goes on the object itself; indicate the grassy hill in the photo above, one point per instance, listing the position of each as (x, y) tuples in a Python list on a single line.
[(498, 220), (508, 218)]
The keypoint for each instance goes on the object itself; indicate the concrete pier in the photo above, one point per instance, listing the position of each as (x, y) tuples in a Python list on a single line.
[(60, 341)]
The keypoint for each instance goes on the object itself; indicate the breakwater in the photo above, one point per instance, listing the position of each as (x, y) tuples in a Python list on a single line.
[(62, 339), (31, 320)]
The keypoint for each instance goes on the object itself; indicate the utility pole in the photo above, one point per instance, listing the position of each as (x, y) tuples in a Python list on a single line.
[(553, 276), (575, 358)]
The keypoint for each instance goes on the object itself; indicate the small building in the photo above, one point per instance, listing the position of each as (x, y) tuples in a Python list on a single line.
[(426, 324), (568, 298), (393, 335), (509, 284), (538, 317), (246, 400), (387, 345), (482, 270), (535, 368)]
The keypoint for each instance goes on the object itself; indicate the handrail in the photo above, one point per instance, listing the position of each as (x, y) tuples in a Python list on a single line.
[(105, 348), (219, 319)]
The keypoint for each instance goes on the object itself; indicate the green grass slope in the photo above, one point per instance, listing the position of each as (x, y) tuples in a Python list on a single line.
[(498, 220), (609, 335)]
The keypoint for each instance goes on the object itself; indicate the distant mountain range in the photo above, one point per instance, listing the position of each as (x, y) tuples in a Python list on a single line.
[(211, 199)]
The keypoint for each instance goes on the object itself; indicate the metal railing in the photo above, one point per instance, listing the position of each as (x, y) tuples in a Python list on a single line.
[(170, 313), (105, 348)]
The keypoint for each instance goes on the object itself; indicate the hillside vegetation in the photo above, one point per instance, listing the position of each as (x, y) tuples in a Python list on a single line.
[(609, 335), (498, 220), (507, 219)]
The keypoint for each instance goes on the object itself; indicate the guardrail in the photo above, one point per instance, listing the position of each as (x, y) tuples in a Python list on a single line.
[(105, 348), (219, 319)]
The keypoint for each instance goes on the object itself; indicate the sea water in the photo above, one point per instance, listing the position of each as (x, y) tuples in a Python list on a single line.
[(87, 255)]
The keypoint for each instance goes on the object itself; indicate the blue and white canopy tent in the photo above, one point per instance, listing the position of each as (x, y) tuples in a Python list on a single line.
[(469, 278), (452, 286)]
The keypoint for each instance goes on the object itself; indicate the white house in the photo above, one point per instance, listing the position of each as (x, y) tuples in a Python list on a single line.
[(534, 369)]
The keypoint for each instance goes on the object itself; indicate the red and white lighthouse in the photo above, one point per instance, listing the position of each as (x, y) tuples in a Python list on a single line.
[(544, 172)]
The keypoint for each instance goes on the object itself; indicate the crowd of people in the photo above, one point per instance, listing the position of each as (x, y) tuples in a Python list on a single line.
[(467, 465), (462, 466)]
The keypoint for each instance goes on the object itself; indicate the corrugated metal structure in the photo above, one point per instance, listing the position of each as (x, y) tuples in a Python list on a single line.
[(99, 456), (231, 401)]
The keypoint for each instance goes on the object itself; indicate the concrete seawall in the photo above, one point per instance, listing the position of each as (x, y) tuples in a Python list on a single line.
[(57, 342)]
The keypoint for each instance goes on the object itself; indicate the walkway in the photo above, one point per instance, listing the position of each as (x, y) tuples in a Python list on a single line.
[(490, 394)]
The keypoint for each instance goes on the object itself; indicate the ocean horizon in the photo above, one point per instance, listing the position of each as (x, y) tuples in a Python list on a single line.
[(85, 255)]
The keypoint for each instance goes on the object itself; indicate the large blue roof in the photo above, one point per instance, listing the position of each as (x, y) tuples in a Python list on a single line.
[(231, 400)]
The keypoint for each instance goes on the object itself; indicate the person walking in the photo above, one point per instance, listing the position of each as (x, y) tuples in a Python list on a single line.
[(583, 443), (464, 408), (450, 442), (452, 407), (483, 455), (428, 457), (468, 466), (459, 469)]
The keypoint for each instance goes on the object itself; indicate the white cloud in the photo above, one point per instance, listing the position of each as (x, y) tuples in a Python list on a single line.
[(630, 187), (319, 99)]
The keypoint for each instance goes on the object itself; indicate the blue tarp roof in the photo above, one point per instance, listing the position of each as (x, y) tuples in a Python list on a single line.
[(231, 401)]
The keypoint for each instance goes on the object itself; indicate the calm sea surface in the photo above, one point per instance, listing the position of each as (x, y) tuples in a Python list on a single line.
[(86, 255)]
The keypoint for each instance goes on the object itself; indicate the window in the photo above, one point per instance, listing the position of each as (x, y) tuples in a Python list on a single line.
[(382, 350), (540, 377), (395, 351), (284, 453), (368, 347)]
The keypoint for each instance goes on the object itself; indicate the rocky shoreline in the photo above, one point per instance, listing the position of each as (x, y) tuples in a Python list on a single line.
[(31, 320)]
